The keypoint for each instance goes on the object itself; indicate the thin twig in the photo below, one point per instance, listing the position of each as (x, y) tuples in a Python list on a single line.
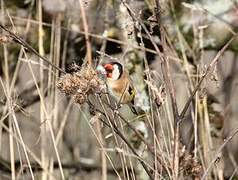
[(140, 136), (85, 26), (208, 71), (120, 134), (218, 152), (175, 113), (20, 41)]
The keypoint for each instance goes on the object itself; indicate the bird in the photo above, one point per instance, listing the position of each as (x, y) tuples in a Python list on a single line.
[(120, 85)]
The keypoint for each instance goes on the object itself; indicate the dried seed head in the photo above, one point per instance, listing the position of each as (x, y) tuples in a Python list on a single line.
[(83, 84), (79, 98), (80, 84), (94, 83), (68, 84), (188, 164), (90, 73)]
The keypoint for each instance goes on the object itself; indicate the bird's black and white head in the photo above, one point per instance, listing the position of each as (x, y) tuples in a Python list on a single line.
[(114, 70)]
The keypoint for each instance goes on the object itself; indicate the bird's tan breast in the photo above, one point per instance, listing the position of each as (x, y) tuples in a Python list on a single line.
[(120, 87)]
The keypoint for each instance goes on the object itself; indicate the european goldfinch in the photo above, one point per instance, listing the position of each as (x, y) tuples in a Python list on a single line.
[(119, 84)]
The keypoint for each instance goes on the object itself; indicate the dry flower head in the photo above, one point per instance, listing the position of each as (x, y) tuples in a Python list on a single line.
[(80, 84), (188, 164)]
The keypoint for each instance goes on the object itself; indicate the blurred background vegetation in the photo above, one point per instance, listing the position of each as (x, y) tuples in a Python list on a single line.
[(182, 58)]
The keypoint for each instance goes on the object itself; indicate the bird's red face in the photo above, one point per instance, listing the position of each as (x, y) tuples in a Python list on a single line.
[(109, 68), (113, 70)]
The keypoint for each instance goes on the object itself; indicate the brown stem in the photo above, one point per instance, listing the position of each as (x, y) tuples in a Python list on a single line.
[(85, 26)]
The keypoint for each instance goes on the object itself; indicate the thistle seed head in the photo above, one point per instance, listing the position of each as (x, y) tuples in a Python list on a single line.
[(80, 84)]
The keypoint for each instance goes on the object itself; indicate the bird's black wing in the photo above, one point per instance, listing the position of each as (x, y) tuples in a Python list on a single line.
[(131, 105)]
